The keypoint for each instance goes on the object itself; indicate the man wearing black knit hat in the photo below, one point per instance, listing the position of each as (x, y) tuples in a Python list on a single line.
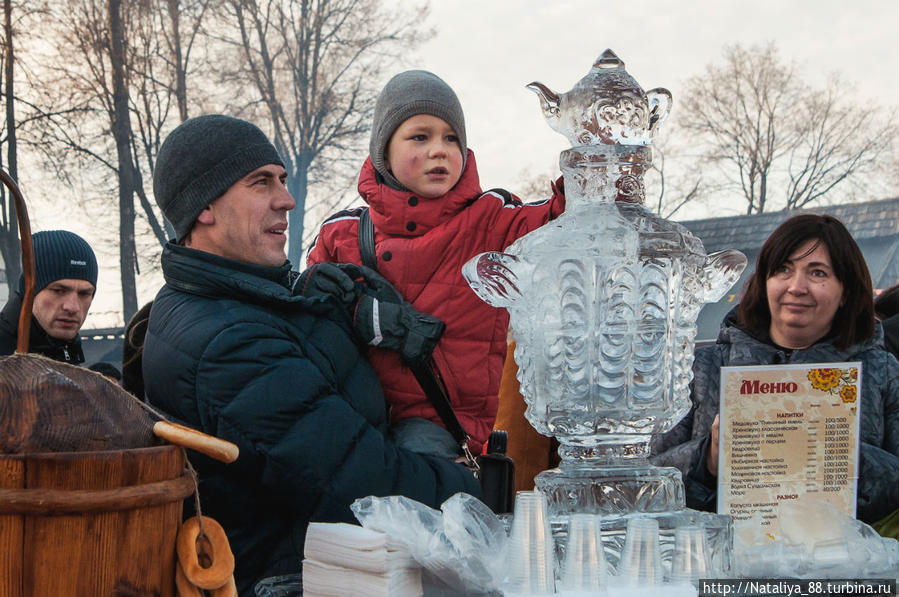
[(241, 347), (65, 270)]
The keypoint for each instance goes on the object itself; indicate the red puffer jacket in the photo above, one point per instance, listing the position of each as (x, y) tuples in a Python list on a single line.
[(421, 246)]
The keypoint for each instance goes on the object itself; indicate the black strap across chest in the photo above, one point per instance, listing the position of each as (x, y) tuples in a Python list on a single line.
[(426, 374), (367, 240)]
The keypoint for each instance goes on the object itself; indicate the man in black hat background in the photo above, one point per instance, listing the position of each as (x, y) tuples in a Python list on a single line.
[(241, 347), (65, 281)]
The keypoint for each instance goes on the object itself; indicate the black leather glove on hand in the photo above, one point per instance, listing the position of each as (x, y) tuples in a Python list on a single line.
[(327, 279), (383, 319)]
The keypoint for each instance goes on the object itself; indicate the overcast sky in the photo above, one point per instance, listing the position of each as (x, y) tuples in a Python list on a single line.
[(488, 50)]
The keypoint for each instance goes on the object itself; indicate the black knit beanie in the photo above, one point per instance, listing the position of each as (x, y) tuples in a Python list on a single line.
[(405, 95), (201, 159), (59, 255)]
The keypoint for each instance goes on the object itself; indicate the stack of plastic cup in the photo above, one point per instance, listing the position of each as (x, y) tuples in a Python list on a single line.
[(531, 551), (690, 560), (641, 556), (583, 571)]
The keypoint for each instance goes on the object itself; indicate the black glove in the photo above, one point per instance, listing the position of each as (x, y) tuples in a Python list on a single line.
[(383, 319), (327, 279)]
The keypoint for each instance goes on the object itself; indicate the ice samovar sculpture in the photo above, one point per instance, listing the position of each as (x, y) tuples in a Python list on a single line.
[(603, 303)]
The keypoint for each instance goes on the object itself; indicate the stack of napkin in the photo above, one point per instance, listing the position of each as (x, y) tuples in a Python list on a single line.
[(344, 559)]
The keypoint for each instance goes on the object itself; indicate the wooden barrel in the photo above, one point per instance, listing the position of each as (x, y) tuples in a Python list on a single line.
[(91, 524)]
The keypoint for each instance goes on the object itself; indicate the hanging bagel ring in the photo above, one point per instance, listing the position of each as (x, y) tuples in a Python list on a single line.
[(220, 559), (229, 589), (183, 586)]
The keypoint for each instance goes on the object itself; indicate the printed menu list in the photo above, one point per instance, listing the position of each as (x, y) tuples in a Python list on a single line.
[(788, 433)]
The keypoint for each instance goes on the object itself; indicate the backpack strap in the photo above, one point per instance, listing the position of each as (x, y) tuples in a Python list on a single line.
[(367, 240), (425, 373)]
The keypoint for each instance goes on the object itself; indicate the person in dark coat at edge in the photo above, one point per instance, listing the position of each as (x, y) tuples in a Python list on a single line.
[(886, 307), (240, 347), (133, 351), (810, 300), (65, 269)]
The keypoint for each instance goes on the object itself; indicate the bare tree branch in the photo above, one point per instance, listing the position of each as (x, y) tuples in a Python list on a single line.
[(841, 140), (771, 135), (314, 68), (107, 97)]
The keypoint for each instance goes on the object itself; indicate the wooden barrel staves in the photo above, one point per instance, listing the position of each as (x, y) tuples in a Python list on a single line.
[(91, 524), (90, 497)]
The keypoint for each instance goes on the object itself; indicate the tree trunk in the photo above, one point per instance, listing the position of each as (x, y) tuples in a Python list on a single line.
[(9, 231), (297, 185), (180, 74), (122, 134), (763, 192)]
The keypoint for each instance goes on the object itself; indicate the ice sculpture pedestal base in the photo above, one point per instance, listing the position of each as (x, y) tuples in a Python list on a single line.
[(612, 489), (622, 491), (719, 532)]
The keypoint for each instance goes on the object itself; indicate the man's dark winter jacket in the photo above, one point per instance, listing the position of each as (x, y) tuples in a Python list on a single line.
[(685, 446), (229, 351), (39, 342)]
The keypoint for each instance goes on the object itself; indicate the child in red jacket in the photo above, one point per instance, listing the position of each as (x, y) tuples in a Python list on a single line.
[(430, 217)]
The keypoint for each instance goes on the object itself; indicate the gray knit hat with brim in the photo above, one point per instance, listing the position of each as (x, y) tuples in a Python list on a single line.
[(405, 95), (201, 159), (61, 255)]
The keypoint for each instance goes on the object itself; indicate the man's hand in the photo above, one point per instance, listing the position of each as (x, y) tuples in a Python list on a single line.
[(711, 457), (326, 279)]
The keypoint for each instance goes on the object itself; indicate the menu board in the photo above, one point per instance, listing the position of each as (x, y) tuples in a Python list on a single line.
[(787, 433)]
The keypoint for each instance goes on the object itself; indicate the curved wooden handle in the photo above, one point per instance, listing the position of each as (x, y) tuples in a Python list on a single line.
[(203, 443), (27, 262), (54, 502)]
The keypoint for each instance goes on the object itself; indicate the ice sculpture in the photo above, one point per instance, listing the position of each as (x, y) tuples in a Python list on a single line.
[(603, 303)]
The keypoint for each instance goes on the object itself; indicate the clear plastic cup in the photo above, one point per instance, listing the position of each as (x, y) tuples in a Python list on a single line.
[(584, 565), (690, 560), (641, 557), (531, 551)]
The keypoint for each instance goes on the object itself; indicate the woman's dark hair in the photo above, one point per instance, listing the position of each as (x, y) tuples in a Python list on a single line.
[(854, 320), (887, 302)]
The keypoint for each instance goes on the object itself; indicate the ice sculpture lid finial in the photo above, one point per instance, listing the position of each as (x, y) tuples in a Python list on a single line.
[(606, 107), (609, 59)]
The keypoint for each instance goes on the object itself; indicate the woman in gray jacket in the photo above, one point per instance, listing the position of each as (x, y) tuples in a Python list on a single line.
[(810, 300)]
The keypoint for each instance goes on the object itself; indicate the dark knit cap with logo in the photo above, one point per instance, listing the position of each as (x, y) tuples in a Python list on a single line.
[(405, 95), (201, 159), (59, 255)]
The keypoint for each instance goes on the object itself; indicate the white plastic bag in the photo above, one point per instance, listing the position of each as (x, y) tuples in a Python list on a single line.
[(463, 544)]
